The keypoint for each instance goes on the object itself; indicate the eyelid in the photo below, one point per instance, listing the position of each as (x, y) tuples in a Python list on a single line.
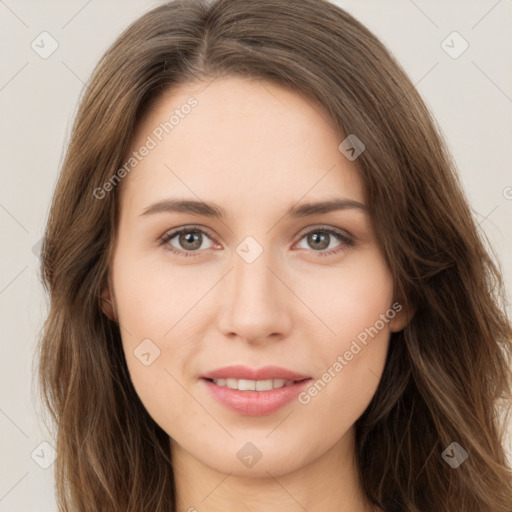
[(170, 234), (325, 227)]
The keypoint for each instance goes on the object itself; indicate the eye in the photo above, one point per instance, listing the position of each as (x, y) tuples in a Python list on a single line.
[(190, 240), (321, 238)]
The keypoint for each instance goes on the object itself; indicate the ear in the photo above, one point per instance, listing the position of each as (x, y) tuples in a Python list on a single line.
[(107, 304), (403, 316)]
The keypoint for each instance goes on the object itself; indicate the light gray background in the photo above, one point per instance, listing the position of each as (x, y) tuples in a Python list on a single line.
[(471, 97)]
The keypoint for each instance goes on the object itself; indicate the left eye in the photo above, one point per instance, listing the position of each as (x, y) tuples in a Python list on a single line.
[(321, 238), (191, 240)]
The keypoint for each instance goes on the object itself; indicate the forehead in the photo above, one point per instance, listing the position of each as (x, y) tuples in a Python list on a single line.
[(242, 142)]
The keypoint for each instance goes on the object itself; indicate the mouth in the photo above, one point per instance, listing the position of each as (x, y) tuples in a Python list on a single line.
[(257, 396)]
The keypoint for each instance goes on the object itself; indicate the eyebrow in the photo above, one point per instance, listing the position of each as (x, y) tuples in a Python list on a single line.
[(207, 209)]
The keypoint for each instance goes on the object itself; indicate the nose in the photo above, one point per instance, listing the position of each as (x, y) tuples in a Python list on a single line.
[(255, 304)]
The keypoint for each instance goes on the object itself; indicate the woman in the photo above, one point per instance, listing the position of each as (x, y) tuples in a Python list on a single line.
[(267, 288)]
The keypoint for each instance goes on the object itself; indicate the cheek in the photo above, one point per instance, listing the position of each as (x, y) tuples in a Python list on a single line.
[(151, 296), (351, 298), (347, 382), (156, 361), (156, 307), (356, 305)]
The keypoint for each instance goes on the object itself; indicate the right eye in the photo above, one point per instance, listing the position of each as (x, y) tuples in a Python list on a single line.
[(190, 238)]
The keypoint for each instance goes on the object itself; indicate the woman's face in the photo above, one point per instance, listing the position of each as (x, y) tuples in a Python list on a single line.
[(255, 280)]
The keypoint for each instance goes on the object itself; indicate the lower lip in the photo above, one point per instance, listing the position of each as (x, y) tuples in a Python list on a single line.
[(255, 403)]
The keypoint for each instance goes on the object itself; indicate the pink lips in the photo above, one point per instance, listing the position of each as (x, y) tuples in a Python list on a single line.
[(243, 372), (255, 403)]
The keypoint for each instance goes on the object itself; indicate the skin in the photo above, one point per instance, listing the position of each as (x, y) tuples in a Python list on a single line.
[(256, 149)]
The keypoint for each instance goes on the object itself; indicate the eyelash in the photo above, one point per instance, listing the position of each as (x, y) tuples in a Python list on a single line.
[(166, 238)]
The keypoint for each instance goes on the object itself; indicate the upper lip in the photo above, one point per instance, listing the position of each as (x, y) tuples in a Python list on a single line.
[(243, 372)]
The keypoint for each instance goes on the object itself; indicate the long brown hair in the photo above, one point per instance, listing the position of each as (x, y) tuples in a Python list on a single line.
[(447, 377)]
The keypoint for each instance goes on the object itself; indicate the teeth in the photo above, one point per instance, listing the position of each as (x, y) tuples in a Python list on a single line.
[(232, 383), (246, 385), (267, 385), (253, 385)]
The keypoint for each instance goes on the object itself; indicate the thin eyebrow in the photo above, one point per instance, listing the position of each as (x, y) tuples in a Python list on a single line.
[(212, 210)]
